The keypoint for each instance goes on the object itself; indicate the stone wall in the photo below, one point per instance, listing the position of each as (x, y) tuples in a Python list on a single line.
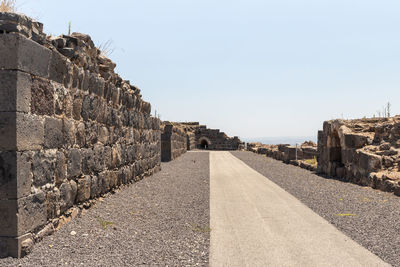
[(70, 129), (213, 139), (364, 151), (174, 142), (191, 140), (304, 155)]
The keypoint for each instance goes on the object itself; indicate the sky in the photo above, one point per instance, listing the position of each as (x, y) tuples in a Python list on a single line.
[(252, 68)]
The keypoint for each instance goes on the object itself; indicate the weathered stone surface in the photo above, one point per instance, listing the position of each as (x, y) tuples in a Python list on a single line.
[(15, 93), (70, 129), (19, 53), (83, 193), (31, 213), (69, 132), (58, 68), (53, 203), (67, 196), (8, 218), (77, 109), (53, 133), (12, 246), (74, 163), (42, 102), (15, 175), (43, 167), (20, 132)]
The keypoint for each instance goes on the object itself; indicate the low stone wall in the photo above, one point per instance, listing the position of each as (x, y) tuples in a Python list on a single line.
[(364, 151), (304, 156), (174, 142), (70, 129)]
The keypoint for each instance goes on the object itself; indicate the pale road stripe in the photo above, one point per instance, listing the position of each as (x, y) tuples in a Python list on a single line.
[(254, 222)]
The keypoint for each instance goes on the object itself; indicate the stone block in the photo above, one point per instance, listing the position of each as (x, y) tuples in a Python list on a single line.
[(58, 69), (94, 187), (42, 102), (83, 193), (60, 168), (31, 213), (14, 246), (74, 163), (20, 53), (23, 215), (77, 109), (15, 91), (15, 175), (355, 140), (80, 134), (67, 197), (43, 167), (69, 132), (8, 218), (20, 131), (88, 161), (53, 203), (369, 162), (53, 133)]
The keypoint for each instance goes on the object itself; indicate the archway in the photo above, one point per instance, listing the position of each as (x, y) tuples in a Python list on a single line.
[(203, 143)]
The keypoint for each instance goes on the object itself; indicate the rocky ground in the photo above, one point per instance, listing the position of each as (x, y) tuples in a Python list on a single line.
[(368, 216), (161, 220)]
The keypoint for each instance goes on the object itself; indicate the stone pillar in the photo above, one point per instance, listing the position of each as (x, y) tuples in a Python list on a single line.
[(21, 211), (166, 144)]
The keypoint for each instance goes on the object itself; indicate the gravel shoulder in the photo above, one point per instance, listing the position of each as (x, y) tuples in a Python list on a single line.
[(368, 216), (161, 220)]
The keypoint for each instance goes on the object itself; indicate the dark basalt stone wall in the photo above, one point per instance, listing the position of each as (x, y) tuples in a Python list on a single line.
[(173, 142), (71, 129)]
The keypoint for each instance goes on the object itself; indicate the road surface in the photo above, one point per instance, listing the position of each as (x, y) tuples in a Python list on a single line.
[(256, 223)]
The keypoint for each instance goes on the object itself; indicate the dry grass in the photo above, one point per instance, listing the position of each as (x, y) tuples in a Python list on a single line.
[(7, 5), (312, 161)]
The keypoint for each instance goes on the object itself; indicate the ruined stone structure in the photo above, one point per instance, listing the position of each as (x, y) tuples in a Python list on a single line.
[(213, 139), (174, 142), (70, 130), (305, 155), (364, 151)]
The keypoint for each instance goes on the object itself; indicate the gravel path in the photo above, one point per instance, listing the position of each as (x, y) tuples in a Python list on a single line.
[(161, 220), (376, 220)]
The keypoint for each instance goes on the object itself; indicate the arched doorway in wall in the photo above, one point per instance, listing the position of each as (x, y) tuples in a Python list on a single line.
[(204, 143)]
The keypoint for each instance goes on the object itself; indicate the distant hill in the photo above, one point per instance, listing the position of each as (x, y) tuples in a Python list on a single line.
[(281, 139)]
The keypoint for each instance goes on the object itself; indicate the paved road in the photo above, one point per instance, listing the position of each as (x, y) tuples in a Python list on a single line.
[(256, 223)]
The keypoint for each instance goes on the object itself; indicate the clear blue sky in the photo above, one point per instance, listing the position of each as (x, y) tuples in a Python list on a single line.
[(253, 68)]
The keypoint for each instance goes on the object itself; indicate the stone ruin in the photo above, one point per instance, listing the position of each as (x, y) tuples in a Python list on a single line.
[(179, 137), (71, 130), (174, 142), (304, 155), (364, 151), (213, 139)]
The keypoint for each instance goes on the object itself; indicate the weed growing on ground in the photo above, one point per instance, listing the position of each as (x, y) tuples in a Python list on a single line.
[(201, 229), (104, 223), (7, 5)]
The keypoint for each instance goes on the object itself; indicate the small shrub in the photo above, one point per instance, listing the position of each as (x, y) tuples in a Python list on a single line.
[(7, 5), (312, 161)]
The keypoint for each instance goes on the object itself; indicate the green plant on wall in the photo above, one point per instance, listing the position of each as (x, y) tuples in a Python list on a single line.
[(69, 28)]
